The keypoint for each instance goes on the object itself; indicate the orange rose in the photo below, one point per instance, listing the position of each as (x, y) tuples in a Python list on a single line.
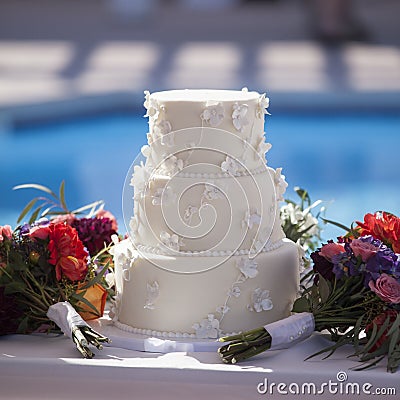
[(95, 295)]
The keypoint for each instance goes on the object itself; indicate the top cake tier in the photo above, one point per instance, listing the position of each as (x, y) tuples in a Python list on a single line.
[(214, 128)]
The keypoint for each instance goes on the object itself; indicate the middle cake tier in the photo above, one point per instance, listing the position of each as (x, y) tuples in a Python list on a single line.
[(221, 216)]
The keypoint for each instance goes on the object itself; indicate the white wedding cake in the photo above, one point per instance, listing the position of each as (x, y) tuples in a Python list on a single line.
[(206, 255)]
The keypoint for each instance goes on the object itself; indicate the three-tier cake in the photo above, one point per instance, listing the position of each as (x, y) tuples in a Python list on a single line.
[(206, 255)]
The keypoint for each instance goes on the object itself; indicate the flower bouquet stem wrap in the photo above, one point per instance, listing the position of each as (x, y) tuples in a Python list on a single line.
[(320, 307), (277, 335), (72, 324)]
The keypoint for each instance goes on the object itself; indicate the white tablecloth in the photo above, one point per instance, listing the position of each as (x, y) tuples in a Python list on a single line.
[(49, 367)]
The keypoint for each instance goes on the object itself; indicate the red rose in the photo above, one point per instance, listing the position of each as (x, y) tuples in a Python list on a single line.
[(379, 320), (67, 253), (383, 226)]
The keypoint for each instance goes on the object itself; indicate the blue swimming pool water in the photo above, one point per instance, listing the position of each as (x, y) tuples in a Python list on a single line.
[(351, 161)]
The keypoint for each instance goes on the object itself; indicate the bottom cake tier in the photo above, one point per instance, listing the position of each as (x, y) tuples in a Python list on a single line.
[(203, 296)]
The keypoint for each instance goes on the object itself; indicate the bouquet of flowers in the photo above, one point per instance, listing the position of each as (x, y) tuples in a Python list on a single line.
[(54, 266), (354, 293)]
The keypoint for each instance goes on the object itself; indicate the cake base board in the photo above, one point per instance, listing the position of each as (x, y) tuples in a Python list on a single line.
[(139, 342)]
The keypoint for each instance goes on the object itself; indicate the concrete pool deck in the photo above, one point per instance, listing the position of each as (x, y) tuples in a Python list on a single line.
[(71, 57)]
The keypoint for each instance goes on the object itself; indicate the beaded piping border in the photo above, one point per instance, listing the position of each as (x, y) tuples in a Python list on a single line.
[(163, 334), (245, 172), (208, 253)]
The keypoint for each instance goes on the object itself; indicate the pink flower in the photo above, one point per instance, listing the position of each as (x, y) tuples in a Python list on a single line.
[(5, 232), (362, 249), (68, 218), (387, 288), (39, 232), (331, 249), (106, 214)]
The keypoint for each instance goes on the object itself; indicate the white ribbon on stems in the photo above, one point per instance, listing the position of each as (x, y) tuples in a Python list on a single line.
[(291, 330), (72, 324)]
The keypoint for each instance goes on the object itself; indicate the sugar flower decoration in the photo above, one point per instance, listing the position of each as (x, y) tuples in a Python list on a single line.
[(234, 291), (173, 242), (251, 218), (262, 147), (126, 260), (213, 114), (261, 301), (163, 131), (140, 178), (212, 192), (153, 291), (222, 309), (280, 184), (189, 212), (163, 196), (207, 328), (230, 166), (247, 267), (151, 105), (239, 118), (262, 105), (145, 150), (134, 225), (172, 165), (115, 307)]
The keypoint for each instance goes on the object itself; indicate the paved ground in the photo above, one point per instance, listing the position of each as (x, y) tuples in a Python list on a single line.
[(52, 51)]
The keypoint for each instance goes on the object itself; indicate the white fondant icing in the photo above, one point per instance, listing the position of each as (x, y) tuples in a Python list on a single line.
[(206, 159)]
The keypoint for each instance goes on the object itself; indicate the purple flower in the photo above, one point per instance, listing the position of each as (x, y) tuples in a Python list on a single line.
[(25, 228), (346, 264), (384, 261), (322, 266), (94, 233)]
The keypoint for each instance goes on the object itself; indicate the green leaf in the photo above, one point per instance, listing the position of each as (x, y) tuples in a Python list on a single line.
[(35, 215), (23, 325), (37, 187), (303, 194), (338, 224), (79, 297), (313, 205), (47, 210), (62, 196), (324, 288), (369, 365), (301, 305), (14, 287), (376, 334), (26, 209), (393, 341), (19, 265), (97, 279), (91, 206)]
